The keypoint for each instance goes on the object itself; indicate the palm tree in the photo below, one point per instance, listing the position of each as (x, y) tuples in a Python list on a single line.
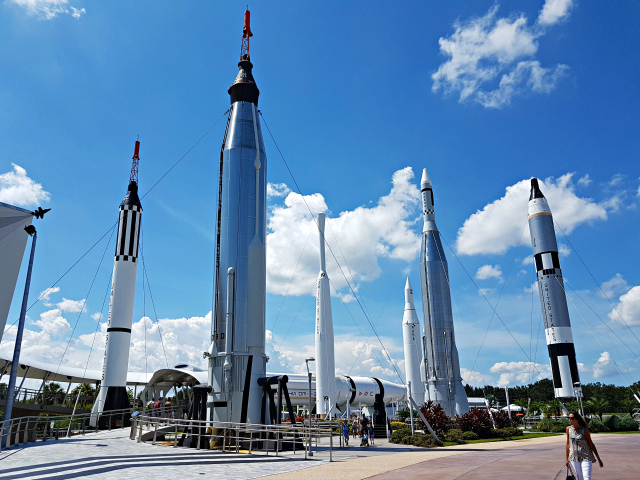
[(597, 405), (628, 405)]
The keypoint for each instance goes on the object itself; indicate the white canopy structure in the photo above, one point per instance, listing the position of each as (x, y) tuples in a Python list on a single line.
[(13, 240)]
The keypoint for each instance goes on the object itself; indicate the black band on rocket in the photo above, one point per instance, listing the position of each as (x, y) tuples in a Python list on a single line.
[(118, 329)]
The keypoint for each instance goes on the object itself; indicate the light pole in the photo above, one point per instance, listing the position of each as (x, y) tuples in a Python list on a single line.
[(306, 361)]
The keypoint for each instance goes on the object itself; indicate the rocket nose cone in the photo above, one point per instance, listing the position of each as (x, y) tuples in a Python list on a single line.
[(407, 285), (535, 190), (426, 180)]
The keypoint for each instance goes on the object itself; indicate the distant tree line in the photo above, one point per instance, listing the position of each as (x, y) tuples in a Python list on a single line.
[(600, 397)]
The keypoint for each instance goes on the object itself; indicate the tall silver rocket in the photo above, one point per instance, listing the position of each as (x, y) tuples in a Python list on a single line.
[(412, 345), (236, 354), (443, 380), (325, 358), (113, 391), (557, 325)]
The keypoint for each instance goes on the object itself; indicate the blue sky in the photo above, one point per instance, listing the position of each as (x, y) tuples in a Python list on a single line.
[(359, 96)]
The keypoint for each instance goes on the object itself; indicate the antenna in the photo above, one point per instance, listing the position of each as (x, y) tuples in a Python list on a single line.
[(134, 164), (246, 33)]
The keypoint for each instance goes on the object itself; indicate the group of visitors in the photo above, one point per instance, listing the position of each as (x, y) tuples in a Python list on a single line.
[(360, 426)]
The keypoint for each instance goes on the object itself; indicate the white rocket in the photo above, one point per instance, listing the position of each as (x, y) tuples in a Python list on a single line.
[(236, 355), (113, 391), (325, 358), (442, 367), (412, 345)]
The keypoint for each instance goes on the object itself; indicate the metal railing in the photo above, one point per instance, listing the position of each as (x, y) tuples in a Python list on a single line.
[(57, 399), (47, 427), (232, 437)]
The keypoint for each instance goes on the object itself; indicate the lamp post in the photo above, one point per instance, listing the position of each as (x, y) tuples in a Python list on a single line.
[(306, 361)]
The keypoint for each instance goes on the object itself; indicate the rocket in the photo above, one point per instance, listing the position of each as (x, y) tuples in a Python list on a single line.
[(325, 359), (557, 325), (113, 391), (412, 344), (442, 367), (236, 354)]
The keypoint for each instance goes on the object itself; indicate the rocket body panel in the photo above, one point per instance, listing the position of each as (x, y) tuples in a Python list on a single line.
[(555, 312), (412, 344), (442, 367), (324, 339)]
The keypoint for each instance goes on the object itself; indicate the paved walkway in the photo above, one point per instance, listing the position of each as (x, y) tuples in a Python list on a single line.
[(113, 455)]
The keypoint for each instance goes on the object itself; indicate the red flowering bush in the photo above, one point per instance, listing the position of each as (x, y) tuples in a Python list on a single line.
[(502, 419), (434, 414), (476, 421)]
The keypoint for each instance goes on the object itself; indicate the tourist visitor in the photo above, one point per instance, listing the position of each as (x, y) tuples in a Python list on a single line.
[(345, 432), (371, 434), (580, 450)]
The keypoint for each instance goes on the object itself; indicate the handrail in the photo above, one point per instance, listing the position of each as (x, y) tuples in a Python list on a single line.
[(33, 428)]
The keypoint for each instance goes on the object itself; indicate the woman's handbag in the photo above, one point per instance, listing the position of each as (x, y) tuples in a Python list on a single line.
[(570, 475)]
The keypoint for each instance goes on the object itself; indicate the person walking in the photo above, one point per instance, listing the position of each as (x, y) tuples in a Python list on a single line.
[(355, 428), (580, 451)]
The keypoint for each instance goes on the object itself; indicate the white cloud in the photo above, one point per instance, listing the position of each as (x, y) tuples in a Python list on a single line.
[(486, 291), (564, 250), (489, 271), (628, 307), (277, 189), (48, 9), (604, 367), (18, 189), (97, 316), (532, 288), (553, 11), (364, 235), (615, 180), (45, 295), (585, 181), (612, 204), (476, 379), (67, 305), (513, 373), (527, 260), (615, 286), (53, 323), (502, 224), (490, 49)]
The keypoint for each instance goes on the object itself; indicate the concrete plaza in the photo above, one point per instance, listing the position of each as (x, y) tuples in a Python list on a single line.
[(113, 455)]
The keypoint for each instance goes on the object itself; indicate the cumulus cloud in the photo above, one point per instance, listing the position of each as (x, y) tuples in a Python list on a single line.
[(585, 181), (564, 250), (277, 189), (554, 11), (53, 323), (615, 286), (476, 379), (628, 308), (97, 316), (492, 59), (489, 271), (17, 188), (45, 295), (513, 373), (67, 305), (604, 367), (49, 9), (502, 224), (358, 238)]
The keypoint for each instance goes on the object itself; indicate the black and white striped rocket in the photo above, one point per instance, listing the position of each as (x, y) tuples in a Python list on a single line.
[(443, 379), (113, 391), (557, 325)]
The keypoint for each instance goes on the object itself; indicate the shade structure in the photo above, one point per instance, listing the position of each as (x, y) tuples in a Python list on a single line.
[(13, 240)]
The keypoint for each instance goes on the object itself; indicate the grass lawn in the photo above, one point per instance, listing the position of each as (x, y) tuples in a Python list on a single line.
[(521, 437)]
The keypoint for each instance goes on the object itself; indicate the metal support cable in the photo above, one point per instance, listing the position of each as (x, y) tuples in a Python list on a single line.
[(333, 254)]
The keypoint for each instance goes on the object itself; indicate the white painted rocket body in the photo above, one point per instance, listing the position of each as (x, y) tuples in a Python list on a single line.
[(236, 354), (442, 367), (557, 325), (325, 358), (113, 392), (412, 340)]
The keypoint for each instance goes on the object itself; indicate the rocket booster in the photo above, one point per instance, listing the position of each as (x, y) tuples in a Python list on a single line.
[(236, 354), (325, 358), (442, 367), (412, 344), (557, 325), (113, 394)]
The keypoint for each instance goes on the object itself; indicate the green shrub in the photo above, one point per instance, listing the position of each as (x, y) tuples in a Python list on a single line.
[(454, 435), (507, 432), (596, 426), (628, 424), (399, 434), (564, 421), (421, 440), (617, 423), (551, 426), (470, 436)]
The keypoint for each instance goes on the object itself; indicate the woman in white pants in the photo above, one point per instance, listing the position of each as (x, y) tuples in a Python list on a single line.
[(581, 451)]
